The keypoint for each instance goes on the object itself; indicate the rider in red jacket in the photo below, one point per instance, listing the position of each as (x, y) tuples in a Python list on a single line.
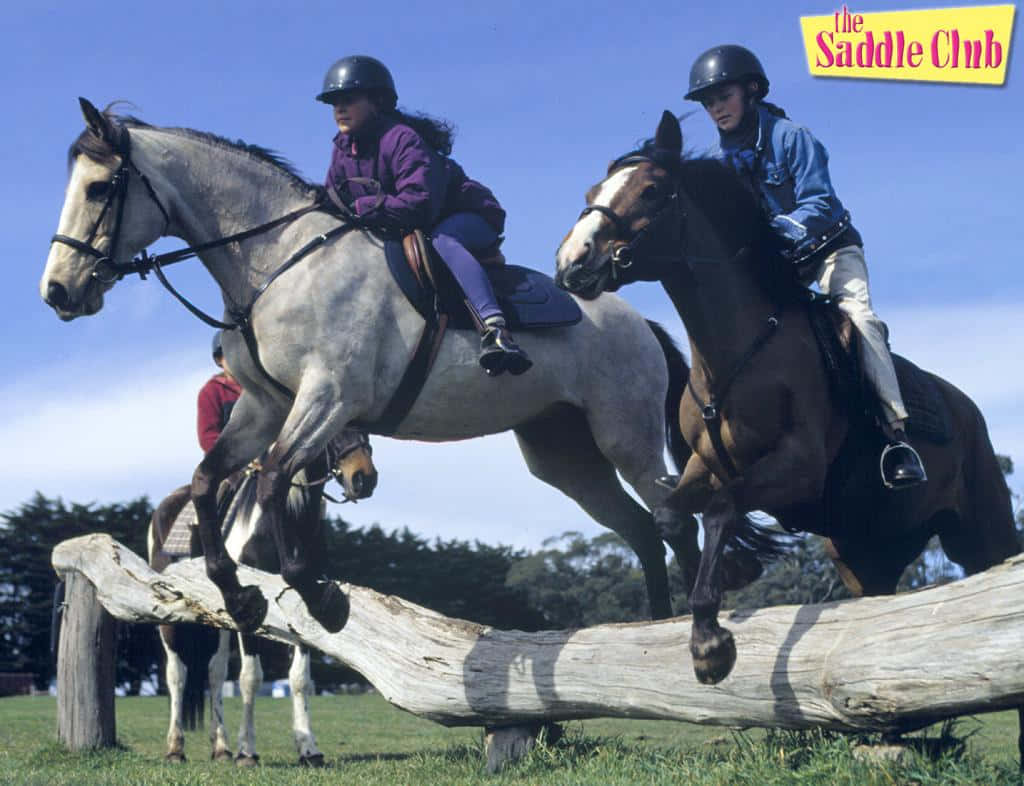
[(216, 398)]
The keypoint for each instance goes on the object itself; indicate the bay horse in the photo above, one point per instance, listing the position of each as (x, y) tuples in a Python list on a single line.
[(194, 652), (326, 341), (767, 433)]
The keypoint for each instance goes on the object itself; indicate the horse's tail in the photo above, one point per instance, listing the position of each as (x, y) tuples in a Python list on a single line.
[(195, 645), (989, 507), (678, 375)]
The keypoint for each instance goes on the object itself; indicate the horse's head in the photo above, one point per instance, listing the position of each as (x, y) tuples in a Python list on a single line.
[(353, 465), (631, 221), (110, 213)]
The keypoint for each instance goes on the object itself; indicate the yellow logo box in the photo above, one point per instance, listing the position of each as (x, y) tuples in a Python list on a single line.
[(969, 45)]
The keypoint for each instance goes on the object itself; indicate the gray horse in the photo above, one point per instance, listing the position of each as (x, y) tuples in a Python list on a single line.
[(333, 335)]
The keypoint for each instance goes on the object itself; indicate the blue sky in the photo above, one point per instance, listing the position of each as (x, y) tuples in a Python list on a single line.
[(543, 95)]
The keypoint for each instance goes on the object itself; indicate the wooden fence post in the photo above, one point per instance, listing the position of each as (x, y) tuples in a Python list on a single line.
[(85, 669)]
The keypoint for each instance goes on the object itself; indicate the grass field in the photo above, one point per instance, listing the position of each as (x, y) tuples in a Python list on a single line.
[(366, 741)]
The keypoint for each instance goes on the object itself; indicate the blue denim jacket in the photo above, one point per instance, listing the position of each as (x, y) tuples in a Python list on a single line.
[(790, 169)]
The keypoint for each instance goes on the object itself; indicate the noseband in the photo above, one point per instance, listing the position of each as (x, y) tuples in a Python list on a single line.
[(621, 255)]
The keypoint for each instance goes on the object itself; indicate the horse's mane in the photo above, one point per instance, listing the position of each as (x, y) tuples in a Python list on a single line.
[(731, 204), (92, 146)]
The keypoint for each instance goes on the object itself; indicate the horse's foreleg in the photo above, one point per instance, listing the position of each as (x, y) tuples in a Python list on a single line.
[(218, 672), (792, 473), (302, 687), (175, 673), (241, 440), (250, 679)]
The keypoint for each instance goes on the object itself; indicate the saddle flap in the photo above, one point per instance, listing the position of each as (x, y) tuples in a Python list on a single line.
[(528, 298)]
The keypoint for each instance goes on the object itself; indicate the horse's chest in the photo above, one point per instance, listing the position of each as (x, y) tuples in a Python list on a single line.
[(747, 426)]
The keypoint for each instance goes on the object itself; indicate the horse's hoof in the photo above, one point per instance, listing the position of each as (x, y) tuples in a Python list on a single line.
[(175, 757), (714, 655), (247, 608), (332, 610), (247, 760), (222, 755), (316, 760)]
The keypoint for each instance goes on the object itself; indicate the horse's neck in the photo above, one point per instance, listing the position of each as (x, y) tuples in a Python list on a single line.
[(715, 291), (215, 191)]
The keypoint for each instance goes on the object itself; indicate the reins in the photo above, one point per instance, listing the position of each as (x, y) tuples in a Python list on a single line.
[(108, 270)]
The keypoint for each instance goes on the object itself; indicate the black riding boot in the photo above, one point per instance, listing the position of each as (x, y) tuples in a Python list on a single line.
[(499, 351), (901, 466)]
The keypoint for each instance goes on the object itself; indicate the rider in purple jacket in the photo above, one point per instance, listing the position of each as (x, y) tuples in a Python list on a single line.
[(419, 187)]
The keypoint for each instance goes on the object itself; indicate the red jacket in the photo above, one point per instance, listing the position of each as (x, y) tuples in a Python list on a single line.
[(216, 398)]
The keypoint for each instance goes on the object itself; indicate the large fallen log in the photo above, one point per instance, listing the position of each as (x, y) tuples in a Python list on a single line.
[(869, 664)]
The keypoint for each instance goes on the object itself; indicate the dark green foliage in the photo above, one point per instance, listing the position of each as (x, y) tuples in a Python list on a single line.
[(27, 581), (454, 577), (577, 582)]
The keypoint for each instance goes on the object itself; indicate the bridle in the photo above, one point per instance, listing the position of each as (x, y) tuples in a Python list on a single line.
[(621, 255), (108, 270)]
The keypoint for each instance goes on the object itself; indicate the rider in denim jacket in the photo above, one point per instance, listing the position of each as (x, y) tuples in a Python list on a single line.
[(794, 187), (786, 168)]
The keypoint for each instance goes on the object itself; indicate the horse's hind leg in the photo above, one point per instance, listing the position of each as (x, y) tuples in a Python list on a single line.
[(242, 439), (302, 685), (250, 678), (218, 672), (174, 671), (560, 450)]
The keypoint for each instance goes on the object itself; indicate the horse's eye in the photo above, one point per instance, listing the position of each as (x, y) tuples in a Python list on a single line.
[(97, 190), (650, 194)]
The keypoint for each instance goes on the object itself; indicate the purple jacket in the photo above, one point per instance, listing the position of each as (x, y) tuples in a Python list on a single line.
[(421, 186)]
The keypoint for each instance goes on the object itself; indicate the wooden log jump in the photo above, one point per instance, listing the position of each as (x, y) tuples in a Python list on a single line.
[(879, 664), (85, 669)]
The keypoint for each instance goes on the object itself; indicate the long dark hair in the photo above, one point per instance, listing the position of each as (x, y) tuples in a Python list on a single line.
[(438, 133), (775, 109)]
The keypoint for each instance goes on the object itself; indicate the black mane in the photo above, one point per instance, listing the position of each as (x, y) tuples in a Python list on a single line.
[(733, 207), (92, 146)]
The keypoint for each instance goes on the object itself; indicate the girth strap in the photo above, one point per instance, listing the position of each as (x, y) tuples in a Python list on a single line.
[(436, 323)]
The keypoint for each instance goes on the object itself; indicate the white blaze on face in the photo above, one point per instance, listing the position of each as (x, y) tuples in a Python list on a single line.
[(575, 245), (76, 220)]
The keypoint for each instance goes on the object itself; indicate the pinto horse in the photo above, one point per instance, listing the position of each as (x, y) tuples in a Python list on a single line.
[(196, 651), (324, 335), (765, 430)]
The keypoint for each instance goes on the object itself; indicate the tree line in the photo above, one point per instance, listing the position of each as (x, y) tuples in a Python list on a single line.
[(572, 581)]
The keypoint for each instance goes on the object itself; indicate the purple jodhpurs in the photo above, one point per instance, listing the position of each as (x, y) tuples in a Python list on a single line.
[(454, 238)]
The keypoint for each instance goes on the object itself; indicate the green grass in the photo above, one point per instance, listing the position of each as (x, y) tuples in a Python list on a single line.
[(366, 741)]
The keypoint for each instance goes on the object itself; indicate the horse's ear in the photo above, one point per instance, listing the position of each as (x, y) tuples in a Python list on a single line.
[(669, 137), (98, 123)]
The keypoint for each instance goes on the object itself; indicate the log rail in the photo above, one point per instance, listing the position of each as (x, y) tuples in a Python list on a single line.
[(880, 664)]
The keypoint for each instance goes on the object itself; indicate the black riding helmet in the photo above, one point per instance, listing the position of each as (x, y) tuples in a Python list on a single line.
[(357, 72), (215, 347), (726, 63)]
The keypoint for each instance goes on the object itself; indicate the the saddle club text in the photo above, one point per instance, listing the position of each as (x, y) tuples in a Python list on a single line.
[(969, 45)]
